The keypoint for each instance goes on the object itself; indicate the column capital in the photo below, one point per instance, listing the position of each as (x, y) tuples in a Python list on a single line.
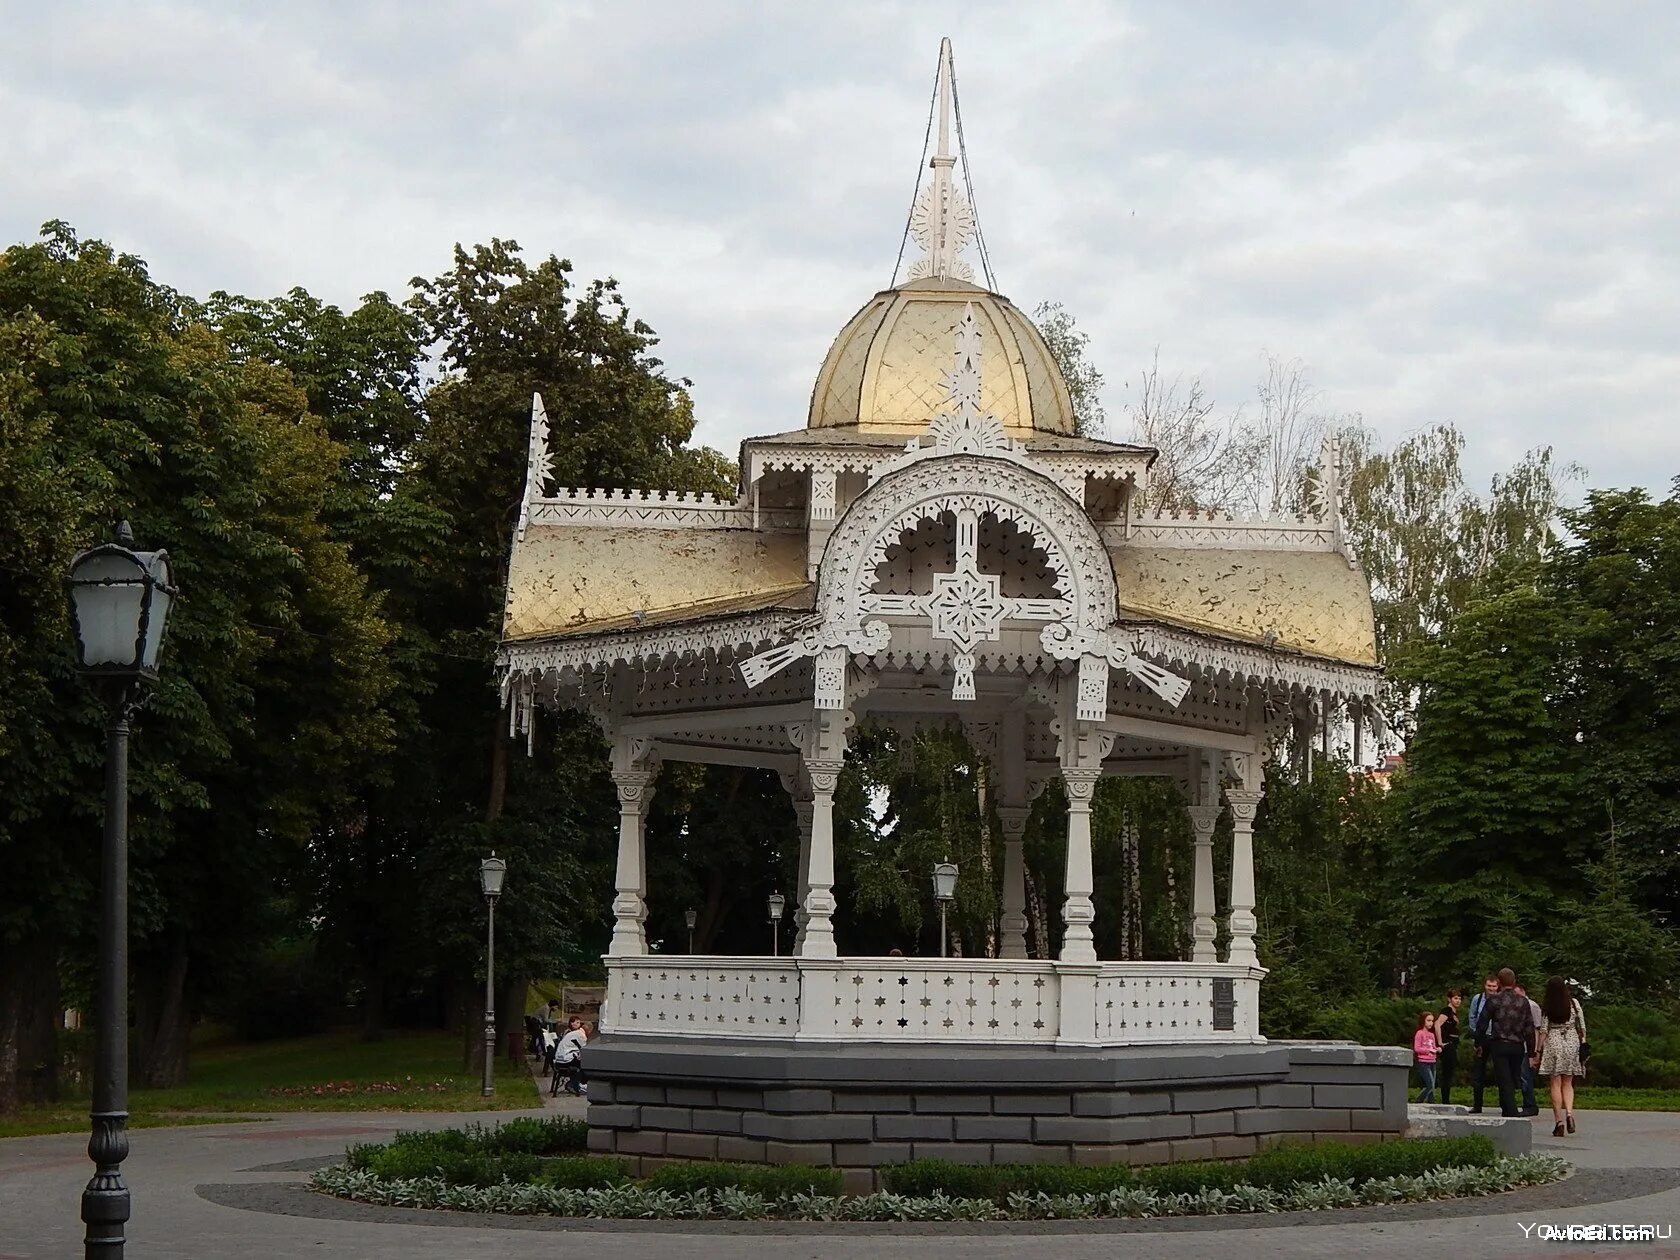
[(634, 787), (824, 774), (1244, 802), (1012, 820), (1081, 784), (1203, 820)]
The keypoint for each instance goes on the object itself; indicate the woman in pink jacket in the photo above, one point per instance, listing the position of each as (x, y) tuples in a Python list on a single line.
[(1425, 1048)]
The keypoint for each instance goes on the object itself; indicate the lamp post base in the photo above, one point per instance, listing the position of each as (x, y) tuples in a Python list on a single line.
[(105, 1201)]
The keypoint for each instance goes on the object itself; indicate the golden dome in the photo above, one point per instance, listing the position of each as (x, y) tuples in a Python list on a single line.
[(886, 370)]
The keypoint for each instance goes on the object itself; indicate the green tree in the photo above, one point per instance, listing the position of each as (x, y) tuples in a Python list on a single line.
[(1069, 347), (122, 402), (1620, 576), (1486, 814)]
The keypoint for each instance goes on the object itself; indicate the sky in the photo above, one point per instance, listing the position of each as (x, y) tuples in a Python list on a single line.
[(1447, 212)]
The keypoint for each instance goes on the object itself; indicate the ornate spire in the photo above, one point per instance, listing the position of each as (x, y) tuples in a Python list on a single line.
[(942, 222)]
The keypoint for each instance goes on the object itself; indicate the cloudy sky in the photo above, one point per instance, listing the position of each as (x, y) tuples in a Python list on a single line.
[(1449, 212)]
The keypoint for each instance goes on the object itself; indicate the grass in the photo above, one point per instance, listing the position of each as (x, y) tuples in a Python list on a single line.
[(1616, 1098), (407, 1071)]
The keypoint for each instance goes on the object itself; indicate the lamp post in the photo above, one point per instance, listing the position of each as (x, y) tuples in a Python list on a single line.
[(944, 889), (491, 872), (777, 904), (691, 917), (119, 606)]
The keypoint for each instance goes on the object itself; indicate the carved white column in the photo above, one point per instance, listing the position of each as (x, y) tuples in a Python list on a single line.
[(1078, 911), (1010, 761), (1203, 924), (1012, 936), (633, 773), (1243, 802), (803, 811), (818, 930)]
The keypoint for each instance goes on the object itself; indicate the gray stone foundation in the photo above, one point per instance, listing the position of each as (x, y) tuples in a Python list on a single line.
[(859, 1107)]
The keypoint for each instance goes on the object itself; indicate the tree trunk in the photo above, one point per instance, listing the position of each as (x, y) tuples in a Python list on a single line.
[(498, 770), (165, 1022), (510, 1016), (373, 996), (1037, 928), (29, 1018)]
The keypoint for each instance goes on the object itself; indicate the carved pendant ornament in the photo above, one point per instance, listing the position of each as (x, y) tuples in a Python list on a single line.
[(968, 471)]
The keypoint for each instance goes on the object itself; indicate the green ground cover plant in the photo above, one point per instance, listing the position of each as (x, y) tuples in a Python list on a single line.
[(531, 1166)]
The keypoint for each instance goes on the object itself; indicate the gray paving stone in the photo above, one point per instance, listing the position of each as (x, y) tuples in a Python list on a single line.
[(914, 1128), (949, 1104), (1216, 1099), (1091, 1128), (1031, 1153), (871, 1154), (877, 1103), (798, 1100), (991, 1128), (688, 1096), (712, 1120), (613, 1116), (678, 1118), (1368, 1096), (741, 1149), (818, 1153), (691, 1145), (1033, 1104), (1285, 1095), (1213, 1123)]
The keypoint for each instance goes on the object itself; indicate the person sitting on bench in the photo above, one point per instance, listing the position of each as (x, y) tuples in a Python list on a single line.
[(568, 1060)]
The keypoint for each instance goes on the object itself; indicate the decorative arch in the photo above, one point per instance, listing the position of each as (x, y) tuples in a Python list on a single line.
[(971, 486)]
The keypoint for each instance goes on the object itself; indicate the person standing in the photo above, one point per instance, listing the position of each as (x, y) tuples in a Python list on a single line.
[(1424, 1049), (1479, 1068), (1529, 1106), (1446, 1034), (1506, 1029), (1562, 1037)]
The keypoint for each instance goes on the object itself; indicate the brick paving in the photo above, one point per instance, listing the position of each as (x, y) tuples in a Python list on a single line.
[(186, 1180)]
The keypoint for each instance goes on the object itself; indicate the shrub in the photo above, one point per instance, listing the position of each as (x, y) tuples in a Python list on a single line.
[(784, 1181), (1292, 1164), (584, 1172), (1276, 1169), (923, 1178), (560, 1135)]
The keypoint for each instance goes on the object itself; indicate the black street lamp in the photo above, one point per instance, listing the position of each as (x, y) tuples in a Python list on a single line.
[(119, 606), (944, 889), (691, 917), (777, 904), (491, 872)]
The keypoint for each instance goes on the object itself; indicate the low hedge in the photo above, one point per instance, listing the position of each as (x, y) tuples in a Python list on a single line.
[(773, 1182), (1277, 1169), (480, 1156), (731, 1203)]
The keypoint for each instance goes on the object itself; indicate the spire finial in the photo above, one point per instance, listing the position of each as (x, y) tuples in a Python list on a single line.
[(943, 220)]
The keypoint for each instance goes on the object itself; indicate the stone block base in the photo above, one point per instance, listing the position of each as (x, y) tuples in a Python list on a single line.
[(859, 1107)]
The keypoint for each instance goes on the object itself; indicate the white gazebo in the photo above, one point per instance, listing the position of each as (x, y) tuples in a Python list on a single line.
[(935, 542)]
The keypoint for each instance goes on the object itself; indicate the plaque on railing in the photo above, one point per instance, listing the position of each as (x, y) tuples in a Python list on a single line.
[(1224, 1004)]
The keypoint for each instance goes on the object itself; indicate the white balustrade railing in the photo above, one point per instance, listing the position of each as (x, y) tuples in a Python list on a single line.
[(728, 997), (1144, 1002), (934, 1000)]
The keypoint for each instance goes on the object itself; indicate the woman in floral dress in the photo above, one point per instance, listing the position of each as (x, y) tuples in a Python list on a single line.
[(1563, 1029)]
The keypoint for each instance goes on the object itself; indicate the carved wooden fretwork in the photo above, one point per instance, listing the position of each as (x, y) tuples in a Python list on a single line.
[(1251, 666), (539, 465)]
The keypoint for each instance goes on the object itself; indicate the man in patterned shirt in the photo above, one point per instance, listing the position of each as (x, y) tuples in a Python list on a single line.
[(1506, 1027)]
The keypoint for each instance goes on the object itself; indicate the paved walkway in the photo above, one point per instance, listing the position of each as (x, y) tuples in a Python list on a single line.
[(212, 1192)]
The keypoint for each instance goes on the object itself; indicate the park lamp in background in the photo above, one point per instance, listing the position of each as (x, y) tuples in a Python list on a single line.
[(491, 871), (944, 889), (778, 903), (119, 609)]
